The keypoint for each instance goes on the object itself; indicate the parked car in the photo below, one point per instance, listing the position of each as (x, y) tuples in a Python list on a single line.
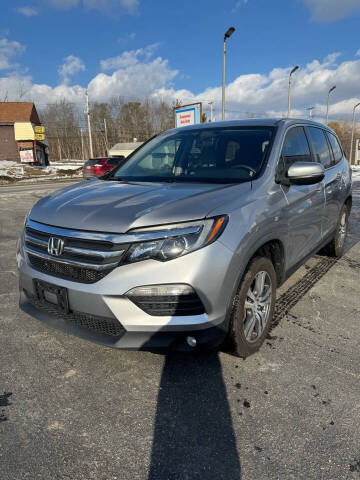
[(184, 245), (97, 167)]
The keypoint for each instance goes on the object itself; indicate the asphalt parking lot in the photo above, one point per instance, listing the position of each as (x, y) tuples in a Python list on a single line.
[(70, 409)]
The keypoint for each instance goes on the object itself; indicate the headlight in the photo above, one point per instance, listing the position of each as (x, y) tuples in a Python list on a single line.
[(175, 240)]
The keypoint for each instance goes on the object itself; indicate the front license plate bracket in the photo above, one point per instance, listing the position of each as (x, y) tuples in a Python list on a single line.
[(44, 290)]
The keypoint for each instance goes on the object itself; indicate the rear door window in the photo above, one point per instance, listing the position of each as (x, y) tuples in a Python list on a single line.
[(335, 147), (320, 146)]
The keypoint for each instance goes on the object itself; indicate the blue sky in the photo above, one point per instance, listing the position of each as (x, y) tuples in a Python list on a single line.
[(59, 47)]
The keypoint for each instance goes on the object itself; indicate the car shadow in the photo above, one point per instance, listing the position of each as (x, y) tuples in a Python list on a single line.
[(193, 431)]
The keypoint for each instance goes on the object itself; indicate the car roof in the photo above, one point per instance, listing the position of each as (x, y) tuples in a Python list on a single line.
[(254, 122)]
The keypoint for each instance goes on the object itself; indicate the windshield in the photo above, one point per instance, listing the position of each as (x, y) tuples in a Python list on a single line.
[(213, 155)]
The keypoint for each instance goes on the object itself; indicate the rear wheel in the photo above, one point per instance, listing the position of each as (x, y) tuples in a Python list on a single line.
[(336, 247), (253, 308)]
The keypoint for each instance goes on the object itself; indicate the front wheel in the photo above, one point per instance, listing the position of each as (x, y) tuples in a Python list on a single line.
[(253, 308)]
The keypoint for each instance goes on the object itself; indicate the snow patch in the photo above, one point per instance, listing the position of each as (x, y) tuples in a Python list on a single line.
[(12, 171)]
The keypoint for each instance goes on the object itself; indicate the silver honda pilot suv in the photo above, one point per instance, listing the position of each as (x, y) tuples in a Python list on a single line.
[(184, 245)]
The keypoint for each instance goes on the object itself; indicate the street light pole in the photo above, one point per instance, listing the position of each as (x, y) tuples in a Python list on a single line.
[(289, 88), (89, 125), (310, 111), (352, 132), (228, 34), (328, 101)]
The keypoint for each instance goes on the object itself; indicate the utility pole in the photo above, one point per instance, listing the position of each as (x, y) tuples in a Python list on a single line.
[(106, 138), (82, 144), (211, 111), (310, 111), (89, 125), (59, 149)]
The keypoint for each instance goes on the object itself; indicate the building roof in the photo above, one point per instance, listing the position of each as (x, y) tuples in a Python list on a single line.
[(11, 112), (126, 146)]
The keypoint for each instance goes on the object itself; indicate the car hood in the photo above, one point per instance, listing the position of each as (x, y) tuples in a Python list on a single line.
[(116, 207)]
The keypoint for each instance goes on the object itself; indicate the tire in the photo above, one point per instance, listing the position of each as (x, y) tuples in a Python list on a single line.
[(243, 340), (336, 247)]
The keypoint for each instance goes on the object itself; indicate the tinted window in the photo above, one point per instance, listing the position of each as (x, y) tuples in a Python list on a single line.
[(222, 155), (335, 147), (91, 162), (114, 161), (320, 146), (295, 147)]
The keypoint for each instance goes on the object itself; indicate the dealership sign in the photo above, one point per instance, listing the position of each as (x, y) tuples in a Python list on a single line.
[(357, 152), (187, 115)]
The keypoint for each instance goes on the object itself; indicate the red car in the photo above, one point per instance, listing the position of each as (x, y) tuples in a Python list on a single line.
[(97, 167)]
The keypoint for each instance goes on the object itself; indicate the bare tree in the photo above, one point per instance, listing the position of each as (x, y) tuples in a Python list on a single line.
[(66, 129)]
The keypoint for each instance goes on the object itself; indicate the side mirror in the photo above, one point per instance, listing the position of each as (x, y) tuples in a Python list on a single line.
[(305, 173)]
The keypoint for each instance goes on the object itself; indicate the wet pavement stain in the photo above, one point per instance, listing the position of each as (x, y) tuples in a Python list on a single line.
[(355, 466), (4, 402)]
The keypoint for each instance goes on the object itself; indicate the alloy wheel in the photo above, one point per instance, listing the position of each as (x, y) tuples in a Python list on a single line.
[(257, 306), (342, 229)]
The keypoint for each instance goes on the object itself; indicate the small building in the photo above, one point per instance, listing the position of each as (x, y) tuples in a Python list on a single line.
[(123, 149), (22, 136)]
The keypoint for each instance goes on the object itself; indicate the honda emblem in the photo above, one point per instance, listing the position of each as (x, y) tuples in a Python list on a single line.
[(55, 246)]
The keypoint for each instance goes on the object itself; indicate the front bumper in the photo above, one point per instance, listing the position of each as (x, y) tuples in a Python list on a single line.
[(206, 270)]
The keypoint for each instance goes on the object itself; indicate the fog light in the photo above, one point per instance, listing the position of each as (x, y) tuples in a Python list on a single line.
[(167, 300), (191, 341), (175, 289)]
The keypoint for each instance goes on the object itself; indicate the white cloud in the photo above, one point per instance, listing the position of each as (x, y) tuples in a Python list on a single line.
[(135, 79), (129, 6), (104, 6), (27, 11), (62, 4), (9, 49), (331, 10), (137, 74), (266, 94), (126, 37), (239, 4), (129, 58), (71, 66)]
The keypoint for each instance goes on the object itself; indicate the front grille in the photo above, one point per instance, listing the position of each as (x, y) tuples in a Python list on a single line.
[(67, 272), (170, 305), (86, 257), (106, 326)]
